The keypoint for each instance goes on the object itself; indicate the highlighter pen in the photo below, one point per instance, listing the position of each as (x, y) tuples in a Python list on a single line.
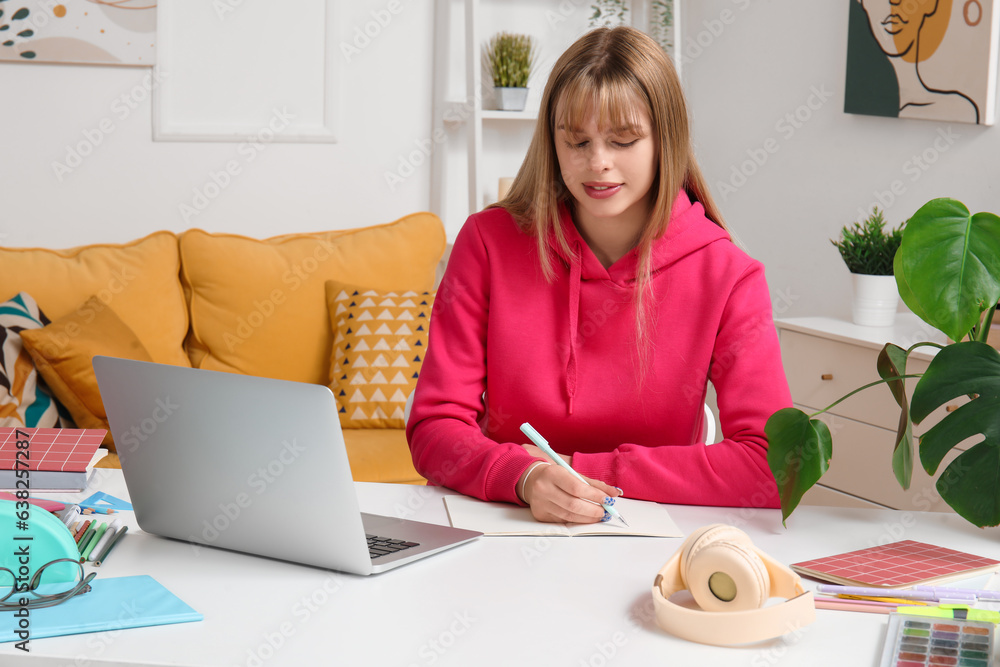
[(543, 445), (957, 611), (107, 537)]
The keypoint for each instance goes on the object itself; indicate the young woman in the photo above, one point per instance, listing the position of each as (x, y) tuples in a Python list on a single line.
[(595, 302)]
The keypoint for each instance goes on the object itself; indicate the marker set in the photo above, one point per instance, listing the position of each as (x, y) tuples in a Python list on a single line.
[(922, 641)]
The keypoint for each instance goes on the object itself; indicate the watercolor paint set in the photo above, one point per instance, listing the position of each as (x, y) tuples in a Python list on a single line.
[(923, 641)]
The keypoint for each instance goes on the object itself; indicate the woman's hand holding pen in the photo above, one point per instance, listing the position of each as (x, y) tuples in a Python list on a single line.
[(556, 496)]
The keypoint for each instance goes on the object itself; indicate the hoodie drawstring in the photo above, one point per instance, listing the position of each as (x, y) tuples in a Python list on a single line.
[(575, 278)]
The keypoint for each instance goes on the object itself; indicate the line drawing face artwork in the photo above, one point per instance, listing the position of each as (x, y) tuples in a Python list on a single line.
[(936, 59)]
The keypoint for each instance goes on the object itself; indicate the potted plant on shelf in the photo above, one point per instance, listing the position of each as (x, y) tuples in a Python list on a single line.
[(510, 60), (947, 270), (868, 250)]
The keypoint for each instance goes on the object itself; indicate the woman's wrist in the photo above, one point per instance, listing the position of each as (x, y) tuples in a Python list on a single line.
[(523, 482)]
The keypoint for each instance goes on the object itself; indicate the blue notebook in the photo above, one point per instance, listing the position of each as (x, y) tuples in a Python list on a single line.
[(112, 604)]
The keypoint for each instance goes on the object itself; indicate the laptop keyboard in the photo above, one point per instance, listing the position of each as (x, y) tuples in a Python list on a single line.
[(380, 546)]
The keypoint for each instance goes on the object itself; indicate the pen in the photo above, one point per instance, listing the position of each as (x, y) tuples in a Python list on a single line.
[(915, 594), (119, 534), (543, 445), (946, 591), (854, 605)]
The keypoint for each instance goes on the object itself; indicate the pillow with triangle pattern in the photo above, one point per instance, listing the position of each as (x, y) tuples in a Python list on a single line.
[(379, 339)]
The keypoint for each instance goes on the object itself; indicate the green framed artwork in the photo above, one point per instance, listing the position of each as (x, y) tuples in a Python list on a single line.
[(923, 59)]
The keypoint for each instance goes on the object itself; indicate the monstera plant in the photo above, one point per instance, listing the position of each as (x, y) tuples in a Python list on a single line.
[(948, 273)]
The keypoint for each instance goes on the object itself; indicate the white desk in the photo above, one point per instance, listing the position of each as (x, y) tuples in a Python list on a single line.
[(498, 601)]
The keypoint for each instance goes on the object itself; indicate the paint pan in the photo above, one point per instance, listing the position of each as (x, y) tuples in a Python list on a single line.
[(922, 641)]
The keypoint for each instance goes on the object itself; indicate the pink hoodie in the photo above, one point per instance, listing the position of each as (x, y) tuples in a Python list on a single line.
[(563, 356)]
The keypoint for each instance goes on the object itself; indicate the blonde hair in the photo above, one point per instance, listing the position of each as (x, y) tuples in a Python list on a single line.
[(610, 71)]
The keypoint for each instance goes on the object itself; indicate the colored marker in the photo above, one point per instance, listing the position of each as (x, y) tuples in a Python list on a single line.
[(107, 537), (119, 534), (94, 539)]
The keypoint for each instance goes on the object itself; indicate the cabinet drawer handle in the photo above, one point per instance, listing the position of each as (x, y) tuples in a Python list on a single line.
[(951, 408), (826, 376)]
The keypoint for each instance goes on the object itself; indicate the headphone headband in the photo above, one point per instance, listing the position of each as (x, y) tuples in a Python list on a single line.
[(754, 577)]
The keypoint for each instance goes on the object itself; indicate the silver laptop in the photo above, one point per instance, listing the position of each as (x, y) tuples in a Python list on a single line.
[(250, 464)]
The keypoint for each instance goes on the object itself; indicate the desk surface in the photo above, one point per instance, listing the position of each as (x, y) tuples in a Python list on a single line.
[(582, 601)]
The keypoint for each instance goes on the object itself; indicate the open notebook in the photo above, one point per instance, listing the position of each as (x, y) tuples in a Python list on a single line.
[(646, 519)]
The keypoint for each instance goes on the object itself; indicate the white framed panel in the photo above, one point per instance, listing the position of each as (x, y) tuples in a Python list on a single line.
[(232, 69)]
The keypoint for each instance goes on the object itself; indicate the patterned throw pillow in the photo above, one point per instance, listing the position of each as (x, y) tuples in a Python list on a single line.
[(24, 398), (378, 348)]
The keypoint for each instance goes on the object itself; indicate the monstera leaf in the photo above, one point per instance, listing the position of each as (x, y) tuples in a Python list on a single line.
[(948, 265), (798, 453), (892, 368), (971, 483)]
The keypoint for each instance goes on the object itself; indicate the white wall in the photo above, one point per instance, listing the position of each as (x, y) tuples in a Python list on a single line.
[(752, 63), (749, 65), (127, 185)]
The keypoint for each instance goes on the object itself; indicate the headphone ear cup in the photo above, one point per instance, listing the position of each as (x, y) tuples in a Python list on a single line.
[(723, 572)]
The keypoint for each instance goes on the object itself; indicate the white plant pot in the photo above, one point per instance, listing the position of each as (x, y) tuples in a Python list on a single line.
[(875, 300), (511, 99)]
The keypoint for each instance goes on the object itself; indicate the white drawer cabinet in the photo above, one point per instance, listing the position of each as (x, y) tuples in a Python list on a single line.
[(825, 359)]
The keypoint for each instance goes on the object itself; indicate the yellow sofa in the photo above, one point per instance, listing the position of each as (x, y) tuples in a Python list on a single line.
[(283, 307)]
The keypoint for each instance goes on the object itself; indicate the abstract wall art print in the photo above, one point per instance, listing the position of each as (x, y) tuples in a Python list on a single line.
[(924, 59), (96, 32)]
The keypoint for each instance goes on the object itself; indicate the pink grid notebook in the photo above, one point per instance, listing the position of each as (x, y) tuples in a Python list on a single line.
[(897, 565), (62, 449)]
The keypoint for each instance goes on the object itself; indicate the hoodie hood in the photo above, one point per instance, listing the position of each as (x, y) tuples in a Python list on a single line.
[(688, 231)]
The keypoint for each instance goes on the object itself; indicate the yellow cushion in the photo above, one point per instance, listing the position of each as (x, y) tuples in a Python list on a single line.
[(380, 455), (259, 307), (63, 353), (138, 279), (378, 349)]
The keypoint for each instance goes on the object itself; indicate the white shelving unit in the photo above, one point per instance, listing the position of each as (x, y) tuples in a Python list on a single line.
[(468, 113), (555, 24)]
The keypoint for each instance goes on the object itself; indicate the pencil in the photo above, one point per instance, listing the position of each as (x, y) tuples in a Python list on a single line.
[(119, 534), (83, 529), (854, 605)]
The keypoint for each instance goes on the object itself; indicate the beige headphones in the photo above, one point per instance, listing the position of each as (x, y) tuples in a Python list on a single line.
[(730, 579)]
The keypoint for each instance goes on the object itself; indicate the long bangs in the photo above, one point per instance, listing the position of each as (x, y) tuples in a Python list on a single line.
[(617, 100)]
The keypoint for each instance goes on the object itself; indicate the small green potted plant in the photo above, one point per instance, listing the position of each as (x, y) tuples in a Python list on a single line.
[(947, 271), (868, 249), (510, 60)]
